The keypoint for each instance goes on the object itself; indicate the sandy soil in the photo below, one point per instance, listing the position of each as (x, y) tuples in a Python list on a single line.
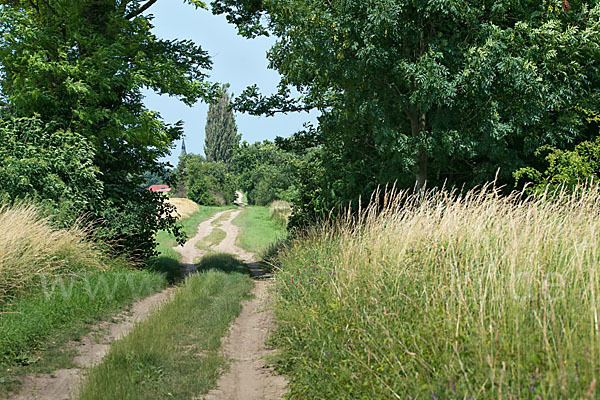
[(190, 254), (248, 378), (63, 384)]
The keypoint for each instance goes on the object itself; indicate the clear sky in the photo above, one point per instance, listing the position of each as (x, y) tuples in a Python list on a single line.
[(237, 61)]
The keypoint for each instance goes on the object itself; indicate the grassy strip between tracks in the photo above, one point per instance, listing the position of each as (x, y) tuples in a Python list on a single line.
[(174, 354), (168, 259)]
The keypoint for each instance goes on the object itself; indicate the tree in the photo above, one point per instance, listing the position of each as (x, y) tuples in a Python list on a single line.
[(81, 65), (222, 138), (444, 91), (37, 161), (206, 183), (265, 172)]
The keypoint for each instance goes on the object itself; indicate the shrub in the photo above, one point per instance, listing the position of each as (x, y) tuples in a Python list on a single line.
[(207, 183), (566, 168), (37, 160), (58, 168)]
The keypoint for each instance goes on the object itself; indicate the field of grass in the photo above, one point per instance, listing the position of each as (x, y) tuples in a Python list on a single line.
[(445, 296), (280, 212), (174, 354), (30, 246), (258, 231), (53, 285)]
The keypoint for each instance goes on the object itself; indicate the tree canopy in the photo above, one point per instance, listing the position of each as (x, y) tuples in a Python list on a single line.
[(438, 91), (81, 66)]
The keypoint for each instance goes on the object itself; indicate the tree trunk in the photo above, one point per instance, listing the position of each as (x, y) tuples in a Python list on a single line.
[(418, 125)]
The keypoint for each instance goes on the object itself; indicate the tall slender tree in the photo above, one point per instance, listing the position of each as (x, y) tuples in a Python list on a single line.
[(221, 130)]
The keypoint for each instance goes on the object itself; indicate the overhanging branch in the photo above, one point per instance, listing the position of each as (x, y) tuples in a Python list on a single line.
[(140, 10)]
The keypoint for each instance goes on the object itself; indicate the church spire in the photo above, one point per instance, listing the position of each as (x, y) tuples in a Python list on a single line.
[(183, 151)]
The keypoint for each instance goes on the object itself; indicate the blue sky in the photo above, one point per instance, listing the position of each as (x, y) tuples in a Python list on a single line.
[(237, 61)]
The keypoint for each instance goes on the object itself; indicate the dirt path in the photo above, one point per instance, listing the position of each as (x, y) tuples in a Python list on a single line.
[(63, 384), (247, 379), (190, 254)]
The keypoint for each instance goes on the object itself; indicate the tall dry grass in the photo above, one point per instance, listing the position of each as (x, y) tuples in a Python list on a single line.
[(29, 246), (446, 296), (280, 211)]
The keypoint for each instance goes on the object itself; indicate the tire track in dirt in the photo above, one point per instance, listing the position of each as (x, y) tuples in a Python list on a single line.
[(189, 253), (248, 377), (64, 384)]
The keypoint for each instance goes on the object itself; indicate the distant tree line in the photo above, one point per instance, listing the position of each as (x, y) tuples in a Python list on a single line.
[(264, 171)]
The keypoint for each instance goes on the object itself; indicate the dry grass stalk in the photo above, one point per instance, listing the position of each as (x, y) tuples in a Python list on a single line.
[(29, 246)]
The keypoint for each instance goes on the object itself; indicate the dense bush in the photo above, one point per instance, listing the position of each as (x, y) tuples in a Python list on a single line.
[(266, 173), (565, 168), (57, 169), (39, 161), (206, 183)]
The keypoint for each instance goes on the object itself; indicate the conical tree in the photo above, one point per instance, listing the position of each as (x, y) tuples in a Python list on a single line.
[(221, 131)]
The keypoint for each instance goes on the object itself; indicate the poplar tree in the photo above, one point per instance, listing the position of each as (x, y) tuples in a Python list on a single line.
[(221, 131)]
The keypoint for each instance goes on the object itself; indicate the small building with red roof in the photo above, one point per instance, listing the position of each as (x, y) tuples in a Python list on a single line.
[(159, 188)]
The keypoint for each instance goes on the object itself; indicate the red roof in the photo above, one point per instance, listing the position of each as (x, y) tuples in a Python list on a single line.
[(159, 188)]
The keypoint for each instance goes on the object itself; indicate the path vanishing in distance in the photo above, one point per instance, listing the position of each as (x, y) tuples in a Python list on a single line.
[(248, 378)]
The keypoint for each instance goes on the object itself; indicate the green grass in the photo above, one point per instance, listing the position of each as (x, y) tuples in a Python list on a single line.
[(481, 297), (222, 218), (258, 231), (215, 237), (174, 354), (168, 259), (34, 327)]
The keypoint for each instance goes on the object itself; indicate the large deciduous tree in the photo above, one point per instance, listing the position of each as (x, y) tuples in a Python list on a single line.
[(81, 65), (222, 139), (428, 90)]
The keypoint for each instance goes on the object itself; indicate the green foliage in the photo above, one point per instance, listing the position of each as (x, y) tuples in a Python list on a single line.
[(566, 168), (80, 66), (266, 173), (206, 183), (37, 160), (445, 91), (222, 139)]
